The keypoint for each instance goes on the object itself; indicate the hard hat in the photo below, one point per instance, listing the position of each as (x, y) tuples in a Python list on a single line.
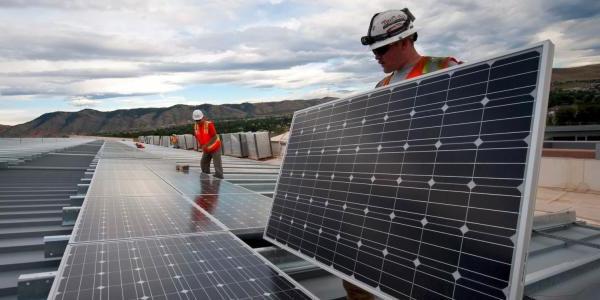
[(388, 27), (197, 115)]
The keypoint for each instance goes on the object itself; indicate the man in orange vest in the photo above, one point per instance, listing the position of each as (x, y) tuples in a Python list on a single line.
[(392, 36), (209, 142)]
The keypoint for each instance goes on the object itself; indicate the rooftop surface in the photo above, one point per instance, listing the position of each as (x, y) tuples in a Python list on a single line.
[(564, 254)]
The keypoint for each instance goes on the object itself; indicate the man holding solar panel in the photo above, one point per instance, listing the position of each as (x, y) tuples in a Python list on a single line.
[(392, 36)]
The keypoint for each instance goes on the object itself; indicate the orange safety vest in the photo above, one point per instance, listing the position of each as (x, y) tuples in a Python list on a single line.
[(173, 140), (207, 136), (425, 65)]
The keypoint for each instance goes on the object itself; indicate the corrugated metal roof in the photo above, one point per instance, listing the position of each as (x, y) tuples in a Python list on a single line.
[(32, 195)]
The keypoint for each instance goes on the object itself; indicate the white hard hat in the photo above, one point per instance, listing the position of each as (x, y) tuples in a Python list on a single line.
[(197, 115), (388, 27)]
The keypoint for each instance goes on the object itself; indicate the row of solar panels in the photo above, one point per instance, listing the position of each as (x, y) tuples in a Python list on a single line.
[(15, 151), (254, 145), (147, 231)]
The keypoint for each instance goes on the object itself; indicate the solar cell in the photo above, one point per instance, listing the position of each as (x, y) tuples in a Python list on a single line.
[(207, 266), (421, 189), (107, 218)]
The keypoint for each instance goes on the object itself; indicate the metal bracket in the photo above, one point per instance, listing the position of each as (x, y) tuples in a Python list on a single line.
[(77, 200), (70, 214), (35, 285), (82, 188), (55, 245)]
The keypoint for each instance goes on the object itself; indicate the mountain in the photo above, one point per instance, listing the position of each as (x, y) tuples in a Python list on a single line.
[(584, 77), (89, 121), (3, 127)]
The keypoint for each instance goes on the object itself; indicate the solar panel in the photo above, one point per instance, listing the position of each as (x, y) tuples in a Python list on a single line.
[(107, 218), (138, 237), (237, 211), (195, 183), (133, 187), (207, 266), (422, 189), (121, 174)]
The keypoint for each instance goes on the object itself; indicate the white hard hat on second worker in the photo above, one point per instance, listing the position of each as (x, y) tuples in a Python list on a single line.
[(197, 115), (388, 27)]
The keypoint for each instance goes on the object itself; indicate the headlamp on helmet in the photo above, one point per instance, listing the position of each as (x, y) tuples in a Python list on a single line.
[(389, 19)]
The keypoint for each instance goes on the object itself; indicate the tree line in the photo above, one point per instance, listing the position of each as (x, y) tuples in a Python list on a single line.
[(276, 125), (565, 107), (574, 107)]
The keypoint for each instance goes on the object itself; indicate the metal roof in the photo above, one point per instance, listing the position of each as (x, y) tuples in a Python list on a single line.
[(33, 192)]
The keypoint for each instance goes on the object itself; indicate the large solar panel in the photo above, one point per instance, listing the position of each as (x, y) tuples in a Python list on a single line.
[(207, 266), (422, 189)]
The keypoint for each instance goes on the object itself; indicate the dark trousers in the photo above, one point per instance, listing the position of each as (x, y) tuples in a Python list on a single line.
[(216, 158), (356, 293)]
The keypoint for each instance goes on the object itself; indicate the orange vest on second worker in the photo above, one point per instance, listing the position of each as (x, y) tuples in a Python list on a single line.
[(207, 136), (425, 65)]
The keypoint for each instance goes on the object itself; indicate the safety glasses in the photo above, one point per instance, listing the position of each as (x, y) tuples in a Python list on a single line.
[(381, 51)]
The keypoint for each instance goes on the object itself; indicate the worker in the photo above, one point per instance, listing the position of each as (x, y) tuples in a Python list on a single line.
[(174, 141), (392, 36), (208, 140)]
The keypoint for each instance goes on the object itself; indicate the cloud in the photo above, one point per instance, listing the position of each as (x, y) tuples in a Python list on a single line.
[(580, 34), (19, 116), (152, 49), (83, 102)]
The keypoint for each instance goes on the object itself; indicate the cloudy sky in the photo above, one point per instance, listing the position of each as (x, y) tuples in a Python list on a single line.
[(69, 55)]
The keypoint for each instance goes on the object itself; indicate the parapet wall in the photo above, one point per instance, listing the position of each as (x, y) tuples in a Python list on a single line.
[(570, 173)]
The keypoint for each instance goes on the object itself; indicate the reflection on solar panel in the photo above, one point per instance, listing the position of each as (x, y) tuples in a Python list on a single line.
[(237, 211), (210, 266), (107, 218), (421, 189), (236, 207), (194, 183)]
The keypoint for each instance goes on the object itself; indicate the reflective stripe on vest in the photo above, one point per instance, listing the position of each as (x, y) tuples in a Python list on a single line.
[(425, 65), (213, 144), (428, 64)]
